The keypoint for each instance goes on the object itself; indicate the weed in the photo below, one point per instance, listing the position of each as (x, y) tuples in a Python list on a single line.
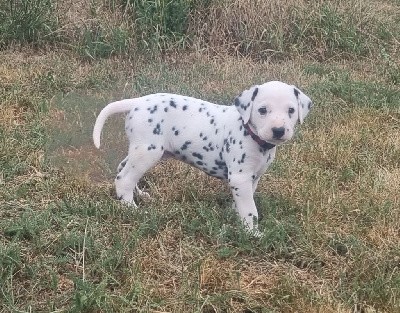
[(31, 22), (98, 43), (161, 24)]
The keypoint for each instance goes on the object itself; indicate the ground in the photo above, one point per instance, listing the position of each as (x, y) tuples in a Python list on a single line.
[(330, 203)]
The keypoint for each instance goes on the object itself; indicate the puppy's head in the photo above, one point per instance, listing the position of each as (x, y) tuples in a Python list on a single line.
[(272, 110)]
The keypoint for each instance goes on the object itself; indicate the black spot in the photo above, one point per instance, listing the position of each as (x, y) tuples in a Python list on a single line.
[(184, 108), (118, 177), (205, 138), (136, 109), (151, 147), (211, 121), (309, 105), (201, 135), (296, 92), (201, 109), (206, 148), (255, 92), (186, 145), (157, 130), (250, 214), (199, 163), (152, 110), (216, 131), (222, 166), (242, 159), (213, 173), (123, 163), (227, 145), (172, 103), (197, 155), (130, 117), (176, 133), (165, 109), (150, 120), (131, 130), (237, 102)]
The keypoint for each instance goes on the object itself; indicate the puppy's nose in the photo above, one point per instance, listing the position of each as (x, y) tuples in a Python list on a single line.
[(278, 132)]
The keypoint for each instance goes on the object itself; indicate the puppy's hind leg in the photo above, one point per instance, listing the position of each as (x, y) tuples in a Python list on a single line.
[(139, 160), (137, 191)]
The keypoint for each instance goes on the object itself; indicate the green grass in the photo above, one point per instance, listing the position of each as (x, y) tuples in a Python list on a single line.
[(31, 22), (329, 204)]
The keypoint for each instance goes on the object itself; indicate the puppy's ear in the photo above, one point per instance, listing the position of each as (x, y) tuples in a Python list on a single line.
[(244, 102), (304, 104)]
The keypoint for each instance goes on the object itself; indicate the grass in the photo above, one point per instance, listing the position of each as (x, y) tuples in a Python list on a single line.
[(330, 202)]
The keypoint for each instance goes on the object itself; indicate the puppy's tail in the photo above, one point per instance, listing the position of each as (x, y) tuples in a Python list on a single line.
[(112, 108)]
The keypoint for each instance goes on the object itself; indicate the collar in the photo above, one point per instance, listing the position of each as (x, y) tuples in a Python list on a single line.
[(263, 144)]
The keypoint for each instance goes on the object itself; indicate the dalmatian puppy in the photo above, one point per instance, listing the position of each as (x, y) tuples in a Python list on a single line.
[(235, 143)]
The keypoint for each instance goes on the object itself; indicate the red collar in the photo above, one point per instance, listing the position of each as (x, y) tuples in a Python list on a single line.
[(263, 144)]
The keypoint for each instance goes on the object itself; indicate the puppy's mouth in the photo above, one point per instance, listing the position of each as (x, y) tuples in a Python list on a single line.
[(276, 141)]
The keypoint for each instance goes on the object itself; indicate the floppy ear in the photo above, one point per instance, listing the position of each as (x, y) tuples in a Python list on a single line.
[(244, 102), (304, 104)]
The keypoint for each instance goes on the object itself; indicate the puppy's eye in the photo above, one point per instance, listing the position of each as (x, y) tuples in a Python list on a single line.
[(262, 111), (291, 110)]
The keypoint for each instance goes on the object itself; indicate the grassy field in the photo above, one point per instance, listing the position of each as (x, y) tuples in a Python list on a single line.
[(330, 204)]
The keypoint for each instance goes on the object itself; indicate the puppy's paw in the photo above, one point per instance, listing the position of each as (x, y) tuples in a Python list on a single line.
[(127, 202), (144, 196)]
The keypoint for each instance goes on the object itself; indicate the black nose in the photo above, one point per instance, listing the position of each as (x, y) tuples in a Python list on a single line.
[(278, 132)]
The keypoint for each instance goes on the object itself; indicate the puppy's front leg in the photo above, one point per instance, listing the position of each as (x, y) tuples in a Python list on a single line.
[(242, 192)]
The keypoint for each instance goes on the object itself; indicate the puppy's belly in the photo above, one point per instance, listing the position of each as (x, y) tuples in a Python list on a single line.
[(213, 167)]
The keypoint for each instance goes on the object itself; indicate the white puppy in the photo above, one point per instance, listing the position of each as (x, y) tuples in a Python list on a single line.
[(235, 143)]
